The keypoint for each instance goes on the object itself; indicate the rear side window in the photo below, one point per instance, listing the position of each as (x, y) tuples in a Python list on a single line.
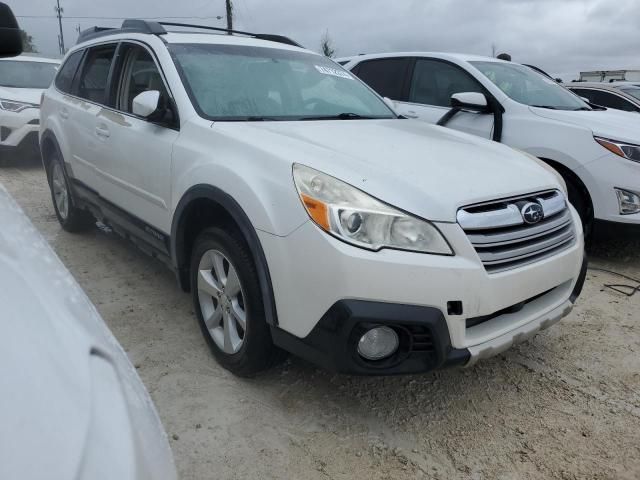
[(386, 76), (95, 74), (64, 80), (435, 81)]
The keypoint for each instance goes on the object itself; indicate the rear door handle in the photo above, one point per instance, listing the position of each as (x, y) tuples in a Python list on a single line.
[(64, 113), (102, 131), (410, 114)]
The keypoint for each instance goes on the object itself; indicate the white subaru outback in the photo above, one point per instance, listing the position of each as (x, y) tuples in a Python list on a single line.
[(299, 210)]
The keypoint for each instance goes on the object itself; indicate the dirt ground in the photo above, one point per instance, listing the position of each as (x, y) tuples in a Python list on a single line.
[(565, 405)]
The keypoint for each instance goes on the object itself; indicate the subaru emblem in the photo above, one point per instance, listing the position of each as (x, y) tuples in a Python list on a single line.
[(532, 212)]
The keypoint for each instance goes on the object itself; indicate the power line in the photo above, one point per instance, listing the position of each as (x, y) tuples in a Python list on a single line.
[(68, 17)]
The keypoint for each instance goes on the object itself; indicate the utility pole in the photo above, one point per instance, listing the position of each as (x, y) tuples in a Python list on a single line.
[(229, 15), (59, 10)]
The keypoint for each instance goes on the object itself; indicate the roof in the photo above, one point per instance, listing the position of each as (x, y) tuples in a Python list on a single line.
[(31, 58), (611, 86), (457, 57)]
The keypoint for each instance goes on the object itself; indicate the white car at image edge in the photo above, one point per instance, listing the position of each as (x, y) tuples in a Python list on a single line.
[(72, 405), (300, 211), (22, 81), (596, 150)]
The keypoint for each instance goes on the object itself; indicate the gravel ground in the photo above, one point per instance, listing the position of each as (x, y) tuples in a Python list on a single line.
[(564, 405)]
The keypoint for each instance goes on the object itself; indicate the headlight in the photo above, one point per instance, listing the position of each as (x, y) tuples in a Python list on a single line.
[(622, 149), (13, 106), (359, 219)]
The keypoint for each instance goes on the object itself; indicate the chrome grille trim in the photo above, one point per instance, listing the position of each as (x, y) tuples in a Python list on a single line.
[(503, 241)]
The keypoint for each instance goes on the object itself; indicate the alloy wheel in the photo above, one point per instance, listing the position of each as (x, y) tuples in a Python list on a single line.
[(60, 193), (221, 300)]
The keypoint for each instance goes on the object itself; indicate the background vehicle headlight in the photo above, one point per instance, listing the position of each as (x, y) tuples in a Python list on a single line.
[(359, 219), (622, 149), (13, 106)]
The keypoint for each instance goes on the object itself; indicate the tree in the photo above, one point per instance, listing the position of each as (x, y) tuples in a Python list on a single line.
[(28, 46), (326, 45)]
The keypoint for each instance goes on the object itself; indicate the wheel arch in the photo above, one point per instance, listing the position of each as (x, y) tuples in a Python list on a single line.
[(568, 173), (203, 206)]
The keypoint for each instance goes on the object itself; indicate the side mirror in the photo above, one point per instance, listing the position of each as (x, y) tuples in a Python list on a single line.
[(10, 35), (473, 101), (146, 103)]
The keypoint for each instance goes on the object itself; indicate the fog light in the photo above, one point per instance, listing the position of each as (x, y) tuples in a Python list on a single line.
[(378, 343), (629, 202)]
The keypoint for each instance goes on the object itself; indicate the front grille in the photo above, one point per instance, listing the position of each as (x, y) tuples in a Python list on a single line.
[(504, 240)]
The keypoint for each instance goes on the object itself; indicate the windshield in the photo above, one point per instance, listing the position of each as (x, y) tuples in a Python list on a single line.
[(633, 91), (231, 82), (18, 74), (526, 86)]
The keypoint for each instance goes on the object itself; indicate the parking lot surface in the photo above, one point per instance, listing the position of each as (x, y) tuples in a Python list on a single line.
[(564, 405)]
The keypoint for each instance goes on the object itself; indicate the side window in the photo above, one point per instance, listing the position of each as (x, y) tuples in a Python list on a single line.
[(139, 74), (67, 72), (95, 73), (386, 76), (435, 81), (605, 99)]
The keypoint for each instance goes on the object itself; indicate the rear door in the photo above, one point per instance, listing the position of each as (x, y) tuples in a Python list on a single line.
[(89, 143), (135, 168), (433, 82)]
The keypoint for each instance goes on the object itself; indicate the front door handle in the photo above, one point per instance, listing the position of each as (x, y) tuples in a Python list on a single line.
[(102, 131), (411, 114), (64, 113)]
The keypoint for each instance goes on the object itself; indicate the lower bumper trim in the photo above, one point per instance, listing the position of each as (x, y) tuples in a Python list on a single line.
[(424, 339)]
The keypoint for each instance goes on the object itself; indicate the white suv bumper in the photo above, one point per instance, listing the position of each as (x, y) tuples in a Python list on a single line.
[(19, 129), (336, 271)]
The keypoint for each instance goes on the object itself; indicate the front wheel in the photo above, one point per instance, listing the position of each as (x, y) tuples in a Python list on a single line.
[(578, 198), (228, 303)]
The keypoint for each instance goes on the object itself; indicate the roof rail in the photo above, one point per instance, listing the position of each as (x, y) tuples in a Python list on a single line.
[(128, 26), (157, 28), (259, 36)]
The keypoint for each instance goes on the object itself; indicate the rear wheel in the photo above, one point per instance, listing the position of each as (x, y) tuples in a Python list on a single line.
[(228, 303), (71, 218)]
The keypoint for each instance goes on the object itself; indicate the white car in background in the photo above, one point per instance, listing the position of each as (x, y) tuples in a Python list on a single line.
[(22, 81), (597, 151), (72, 405)]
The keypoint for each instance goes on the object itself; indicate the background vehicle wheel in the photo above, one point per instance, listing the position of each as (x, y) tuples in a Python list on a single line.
[(72, 219), (581, 203), (229, 305)]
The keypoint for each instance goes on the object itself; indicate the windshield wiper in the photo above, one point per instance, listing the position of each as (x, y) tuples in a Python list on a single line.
[(339, 116), (548, 107)]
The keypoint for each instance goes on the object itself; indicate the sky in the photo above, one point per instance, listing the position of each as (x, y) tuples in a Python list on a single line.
[(562, 37)]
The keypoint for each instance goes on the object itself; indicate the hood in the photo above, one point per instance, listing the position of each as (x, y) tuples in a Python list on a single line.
[(426, 170), (610, 123), (28, 95)]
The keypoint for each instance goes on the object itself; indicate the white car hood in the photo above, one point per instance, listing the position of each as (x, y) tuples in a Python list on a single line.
[(426, 170), (610, 123), (28, 95), (48, 330)]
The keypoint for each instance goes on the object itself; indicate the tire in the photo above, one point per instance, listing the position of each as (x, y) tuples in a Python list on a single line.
[(71, 218), (231, 314), (578, 198)]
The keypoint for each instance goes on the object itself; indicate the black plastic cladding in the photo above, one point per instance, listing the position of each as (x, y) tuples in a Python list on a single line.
[(157, 28)]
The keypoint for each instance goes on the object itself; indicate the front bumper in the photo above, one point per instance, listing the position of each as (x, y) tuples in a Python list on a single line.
[(19, 130), (425, 343), (316, 276), (602, 177)]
